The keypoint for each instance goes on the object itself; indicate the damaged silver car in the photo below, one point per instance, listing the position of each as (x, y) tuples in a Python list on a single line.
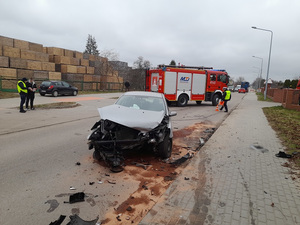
[(138, 120)]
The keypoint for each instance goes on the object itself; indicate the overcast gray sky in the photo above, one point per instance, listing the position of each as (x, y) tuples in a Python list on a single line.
[(213, 33)]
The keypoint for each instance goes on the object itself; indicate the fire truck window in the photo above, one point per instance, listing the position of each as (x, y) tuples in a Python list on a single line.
[(212, 77), (222, 78)]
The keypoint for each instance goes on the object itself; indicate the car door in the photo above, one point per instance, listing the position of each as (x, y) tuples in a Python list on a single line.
[(67, 88), (59, 87)]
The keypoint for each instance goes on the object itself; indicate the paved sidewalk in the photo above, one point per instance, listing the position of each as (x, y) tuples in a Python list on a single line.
[(230, 182)]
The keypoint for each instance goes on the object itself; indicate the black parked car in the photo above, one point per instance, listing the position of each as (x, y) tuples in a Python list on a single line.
[(56, 88)]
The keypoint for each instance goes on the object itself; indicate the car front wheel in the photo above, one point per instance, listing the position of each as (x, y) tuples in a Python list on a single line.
[(74, 93), (96, 155), (165, 147)]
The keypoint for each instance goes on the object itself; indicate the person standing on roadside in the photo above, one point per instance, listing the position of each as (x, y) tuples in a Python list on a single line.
[(226, 97), (22, 90), (127, 85), (31, 87)]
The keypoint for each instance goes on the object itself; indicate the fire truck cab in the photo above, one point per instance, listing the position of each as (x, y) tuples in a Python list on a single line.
[(298, 85), (182, 84)]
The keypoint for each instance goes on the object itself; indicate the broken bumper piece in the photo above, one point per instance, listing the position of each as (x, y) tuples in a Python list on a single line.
[(76, 220)]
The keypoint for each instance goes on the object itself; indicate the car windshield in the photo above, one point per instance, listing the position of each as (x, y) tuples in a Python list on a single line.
[(142, 102), (46, 83)]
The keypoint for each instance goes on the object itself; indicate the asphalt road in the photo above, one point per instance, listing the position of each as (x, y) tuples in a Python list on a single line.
[(39, 151)]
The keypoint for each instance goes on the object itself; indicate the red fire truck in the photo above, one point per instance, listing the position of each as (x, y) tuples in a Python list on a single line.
[(298, 85), (181, 84)]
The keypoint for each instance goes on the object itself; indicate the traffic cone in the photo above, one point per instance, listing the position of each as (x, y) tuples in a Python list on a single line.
[(217, 108)]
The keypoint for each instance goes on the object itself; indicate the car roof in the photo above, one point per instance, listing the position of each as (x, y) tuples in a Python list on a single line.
[(144, 93), (54, 81)]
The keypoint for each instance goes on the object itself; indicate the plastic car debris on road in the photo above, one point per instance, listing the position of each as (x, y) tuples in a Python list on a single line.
[(145, 167), (202, 142), (212, 130), (182, 159), (283, 155), (74, 220), (77, 197), (58, 221)]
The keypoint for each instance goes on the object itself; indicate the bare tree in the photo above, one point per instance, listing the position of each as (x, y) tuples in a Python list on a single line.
[(239, 80), (111, 55), (140, 63), (138, 75), (255, 84)]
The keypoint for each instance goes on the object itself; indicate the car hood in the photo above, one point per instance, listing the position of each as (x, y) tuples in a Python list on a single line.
[(143, 120)]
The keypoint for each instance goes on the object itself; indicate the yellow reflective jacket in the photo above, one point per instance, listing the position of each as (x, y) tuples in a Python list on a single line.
[(22, 89), (228, 95)]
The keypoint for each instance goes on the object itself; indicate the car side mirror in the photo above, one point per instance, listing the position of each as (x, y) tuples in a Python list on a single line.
[(172, 113)]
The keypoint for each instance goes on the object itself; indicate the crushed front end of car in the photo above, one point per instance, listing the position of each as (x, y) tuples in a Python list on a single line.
[(121, 128)]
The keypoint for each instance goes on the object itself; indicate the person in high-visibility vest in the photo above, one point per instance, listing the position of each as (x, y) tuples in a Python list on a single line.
[(22, 90), (226, 97)]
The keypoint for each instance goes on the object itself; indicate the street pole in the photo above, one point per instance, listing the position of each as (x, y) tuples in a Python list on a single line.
[(261, 66), (265, 94), (258, 77)]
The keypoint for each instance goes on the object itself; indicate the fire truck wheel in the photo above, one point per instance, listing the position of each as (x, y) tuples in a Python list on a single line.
[(165, 147), (215, 100), (198, 102), (182, 100)]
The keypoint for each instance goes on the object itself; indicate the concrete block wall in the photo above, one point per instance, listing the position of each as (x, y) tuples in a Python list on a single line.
[(20, 59)]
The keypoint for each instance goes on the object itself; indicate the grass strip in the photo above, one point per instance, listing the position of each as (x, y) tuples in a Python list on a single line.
[(57, 105), (4, 95), (286, 123), (260, 97)]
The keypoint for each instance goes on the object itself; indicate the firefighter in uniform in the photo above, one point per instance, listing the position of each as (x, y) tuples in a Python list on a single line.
[(226, 97), (22, 90)]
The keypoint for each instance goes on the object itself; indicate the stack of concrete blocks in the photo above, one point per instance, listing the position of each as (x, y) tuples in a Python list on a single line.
[(73, 67), (84, 70), (110, 80), (104, 73), (20, 59)]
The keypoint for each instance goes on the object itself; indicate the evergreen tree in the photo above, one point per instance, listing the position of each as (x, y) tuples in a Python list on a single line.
[(91, 46), (294, 84), (173, 63), (287, 83)]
